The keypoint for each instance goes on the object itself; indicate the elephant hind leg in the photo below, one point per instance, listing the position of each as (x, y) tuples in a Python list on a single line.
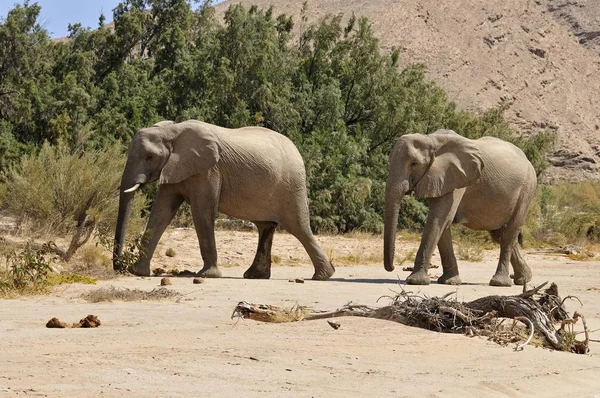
[(298, 226), (261, 266), (522, 271), (450, 275)]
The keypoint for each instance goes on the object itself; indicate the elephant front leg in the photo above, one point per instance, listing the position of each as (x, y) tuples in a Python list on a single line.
[(205, 230), (261, 266), (163, 210), (204, 203), (450, 275), (440, 216)]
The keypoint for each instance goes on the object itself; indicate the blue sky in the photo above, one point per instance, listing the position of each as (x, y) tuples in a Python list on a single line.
[(57, 14)]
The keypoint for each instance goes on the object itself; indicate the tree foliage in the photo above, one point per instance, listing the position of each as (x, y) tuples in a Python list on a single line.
[(331, 90)]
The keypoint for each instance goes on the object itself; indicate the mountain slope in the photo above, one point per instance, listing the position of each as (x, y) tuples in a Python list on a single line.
[(485, 52)]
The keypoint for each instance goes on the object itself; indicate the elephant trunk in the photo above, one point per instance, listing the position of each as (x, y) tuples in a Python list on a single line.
[(125, 204), (393, 195)]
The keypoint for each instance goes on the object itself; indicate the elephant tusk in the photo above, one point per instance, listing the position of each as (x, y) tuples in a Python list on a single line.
[(133, 188)]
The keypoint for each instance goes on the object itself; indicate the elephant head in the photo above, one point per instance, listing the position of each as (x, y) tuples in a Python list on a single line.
[(169, 151), (430, 165)]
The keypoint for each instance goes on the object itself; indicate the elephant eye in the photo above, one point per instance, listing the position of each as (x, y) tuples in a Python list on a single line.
[(149, 157), (413, 164)]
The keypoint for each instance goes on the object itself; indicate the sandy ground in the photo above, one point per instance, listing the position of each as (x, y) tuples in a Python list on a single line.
[(191, 347)]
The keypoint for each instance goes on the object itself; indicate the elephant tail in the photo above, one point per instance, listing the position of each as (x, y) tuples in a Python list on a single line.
[(520, 239)]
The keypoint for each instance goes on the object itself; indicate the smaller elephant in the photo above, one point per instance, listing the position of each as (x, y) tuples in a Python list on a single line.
[(486, 184), (251, 173)]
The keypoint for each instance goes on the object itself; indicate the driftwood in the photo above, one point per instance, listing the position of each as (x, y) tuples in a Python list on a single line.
[(534, 313), (85, 227)]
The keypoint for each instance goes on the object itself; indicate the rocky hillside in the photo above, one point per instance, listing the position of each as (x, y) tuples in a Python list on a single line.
[(581, 17), (539, 57)]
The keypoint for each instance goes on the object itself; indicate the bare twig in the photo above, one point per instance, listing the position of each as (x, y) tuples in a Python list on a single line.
[(523, 319), (456, 313), (445, 296), (533, 291), (571, 297)]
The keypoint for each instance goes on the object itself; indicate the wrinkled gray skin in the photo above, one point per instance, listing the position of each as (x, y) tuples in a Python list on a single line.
[(485, 184), (250, 173)]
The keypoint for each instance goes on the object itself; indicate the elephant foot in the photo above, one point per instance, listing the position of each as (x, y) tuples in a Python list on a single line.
[(522, 278), (419, 277), (143, 270), (210, 272), (324, 273), (501, 280), (255, 272), (449, 280)]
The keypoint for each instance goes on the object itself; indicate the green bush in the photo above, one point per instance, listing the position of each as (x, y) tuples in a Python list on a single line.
[(341, 100), (25, 270)]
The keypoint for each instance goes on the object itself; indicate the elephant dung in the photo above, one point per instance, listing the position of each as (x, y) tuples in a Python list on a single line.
[(56, 323)]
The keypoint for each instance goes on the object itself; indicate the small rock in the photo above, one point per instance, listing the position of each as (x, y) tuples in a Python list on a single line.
[(170, 252), (334, 325), (299, 280), (159, 271), (165, 281), (198, 281)]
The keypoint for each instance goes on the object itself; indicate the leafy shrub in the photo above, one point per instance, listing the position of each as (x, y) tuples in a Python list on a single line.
[(28, 269), (53, 189)]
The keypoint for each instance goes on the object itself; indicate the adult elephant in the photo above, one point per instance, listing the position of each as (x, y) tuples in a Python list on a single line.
[(250, 173), (485, 184)]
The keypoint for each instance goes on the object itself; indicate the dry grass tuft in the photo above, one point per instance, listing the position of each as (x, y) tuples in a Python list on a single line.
[(229, 264), (96, 255), (470, 251), (113, 293), (93, 261)]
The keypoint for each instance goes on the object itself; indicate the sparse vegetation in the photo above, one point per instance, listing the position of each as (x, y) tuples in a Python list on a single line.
[(26, 271), (229, 264), (409, 256), (170, 252), (60, 191), (29, 271), (566, 213), (67, 278), (469, 251), (95, 255), (113, 293)]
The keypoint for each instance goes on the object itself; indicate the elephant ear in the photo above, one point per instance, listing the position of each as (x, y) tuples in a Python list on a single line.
[(457, 163), (194, 150)]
